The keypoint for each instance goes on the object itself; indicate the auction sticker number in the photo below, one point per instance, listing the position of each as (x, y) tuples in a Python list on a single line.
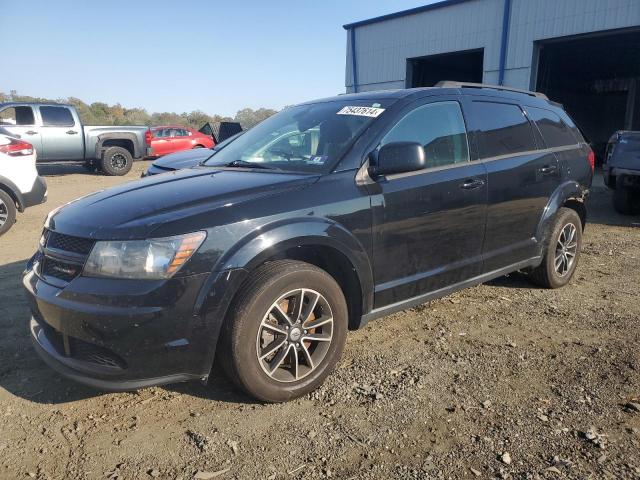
[(361, 111)]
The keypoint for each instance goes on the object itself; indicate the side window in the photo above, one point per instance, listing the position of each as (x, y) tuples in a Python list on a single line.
[(502, 129), (439, 127), (17, 116), (554, 131), (56, 117)]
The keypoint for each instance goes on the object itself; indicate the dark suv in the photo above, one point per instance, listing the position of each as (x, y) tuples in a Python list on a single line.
[(621, 170), (268, 253)]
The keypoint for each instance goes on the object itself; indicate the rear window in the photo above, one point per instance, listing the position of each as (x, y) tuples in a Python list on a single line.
[(502, 129), (17, 116), (56, 117), (554, 131)]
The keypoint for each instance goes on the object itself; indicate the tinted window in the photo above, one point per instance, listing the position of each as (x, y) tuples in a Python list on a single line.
[(439, 127), (502, 129), (553, 129), (17, 116), (56, 117)]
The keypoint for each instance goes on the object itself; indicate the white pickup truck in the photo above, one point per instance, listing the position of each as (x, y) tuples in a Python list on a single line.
[(56, 133)]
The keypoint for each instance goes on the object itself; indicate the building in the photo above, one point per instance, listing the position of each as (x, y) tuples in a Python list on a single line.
[(584, 54)]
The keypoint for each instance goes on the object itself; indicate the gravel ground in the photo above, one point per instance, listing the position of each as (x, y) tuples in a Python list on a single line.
[(499, 381)]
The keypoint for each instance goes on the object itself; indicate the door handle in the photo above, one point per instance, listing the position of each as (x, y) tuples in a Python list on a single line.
[(31, 132), (547, 169), (71, 132), (472, 184)]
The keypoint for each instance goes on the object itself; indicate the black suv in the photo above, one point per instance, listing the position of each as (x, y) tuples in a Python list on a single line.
[(323, 217), (621, 170)]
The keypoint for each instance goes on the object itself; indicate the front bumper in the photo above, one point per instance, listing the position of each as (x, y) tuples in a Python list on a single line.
[(629, 177), (119, 335)]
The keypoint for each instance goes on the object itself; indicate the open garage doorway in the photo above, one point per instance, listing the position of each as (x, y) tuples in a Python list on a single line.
[(595, 77), (465, 66)]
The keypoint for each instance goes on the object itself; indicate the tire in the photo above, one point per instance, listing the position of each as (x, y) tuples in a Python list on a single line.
[(546, 274), (7, 212), (116, 161), (244, 333), (623, 200), (198, 146)]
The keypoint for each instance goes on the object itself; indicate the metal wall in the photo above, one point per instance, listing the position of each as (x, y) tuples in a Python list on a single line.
[(382, 48)]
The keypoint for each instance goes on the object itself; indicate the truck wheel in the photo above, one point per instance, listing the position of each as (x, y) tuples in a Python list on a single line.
[(562, 252), (625, 200), (286, 331), (116, 161), (7, 212)]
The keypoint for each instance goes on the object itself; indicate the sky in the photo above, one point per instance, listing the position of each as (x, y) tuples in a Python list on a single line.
[(214, 56)]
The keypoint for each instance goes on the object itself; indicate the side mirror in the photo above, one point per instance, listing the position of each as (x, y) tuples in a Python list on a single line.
[(398, 157)]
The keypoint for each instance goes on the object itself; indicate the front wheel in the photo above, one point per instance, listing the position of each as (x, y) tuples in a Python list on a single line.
[(562, 253), (116, 161), (286, 331)]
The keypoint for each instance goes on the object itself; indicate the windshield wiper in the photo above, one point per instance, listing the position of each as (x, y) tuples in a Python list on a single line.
[(245, 164)]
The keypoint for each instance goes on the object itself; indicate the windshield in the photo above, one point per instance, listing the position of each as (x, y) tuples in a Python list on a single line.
[(306, 138)]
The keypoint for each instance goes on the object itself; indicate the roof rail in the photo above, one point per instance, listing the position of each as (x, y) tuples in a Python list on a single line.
[(454, 84)]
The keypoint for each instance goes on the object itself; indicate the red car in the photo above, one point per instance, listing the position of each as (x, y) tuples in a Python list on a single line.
[(174, 138)]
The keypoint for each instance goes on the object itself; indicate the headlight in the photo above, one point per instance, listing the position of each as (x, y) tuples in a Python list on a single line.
[(155, 258)]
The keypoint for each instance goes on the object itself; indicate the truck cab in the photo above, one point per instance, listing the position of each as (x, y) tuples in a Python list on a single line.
[(54, 130)]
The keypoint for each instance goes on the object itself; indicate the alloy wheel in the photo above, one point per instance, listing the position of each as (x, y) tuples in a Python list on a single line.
[(4, 213), (566, 249), (294, 335), (118, 161)]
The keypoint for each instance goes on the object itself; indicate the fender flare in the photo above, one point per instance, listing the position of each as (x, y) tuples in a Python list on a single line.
[(273, 239), (12, 189), (569, 190), (137, 149)]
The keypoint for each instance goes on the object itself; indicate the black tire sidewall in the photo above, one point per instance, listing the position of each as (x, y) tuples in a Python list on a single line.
[(11, 212), (565, 216), (244, 333), (106, 166)]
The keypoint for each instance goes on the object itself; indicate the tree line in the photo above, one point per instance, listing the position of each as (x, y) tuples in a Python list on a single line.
[(100, 113)]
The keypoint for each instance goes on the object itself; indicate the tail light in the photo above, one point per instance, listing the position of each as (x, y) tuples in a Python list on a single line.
[(592, 160), (147, 137), (16, 148)]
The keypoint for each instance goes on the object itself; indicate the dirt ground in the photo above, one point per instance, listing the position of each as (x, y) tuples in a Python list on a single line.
[(503, 380)]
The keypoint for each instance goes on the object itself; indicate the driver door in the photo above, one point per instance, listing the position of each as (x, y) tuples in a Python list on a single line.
[(428, 225)]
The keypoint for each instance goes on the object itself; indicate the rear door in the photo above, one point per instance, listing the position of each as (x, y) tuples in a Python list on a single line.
[(428, 225), (521, 179), (161, 141), (61, 136), (20, 120)]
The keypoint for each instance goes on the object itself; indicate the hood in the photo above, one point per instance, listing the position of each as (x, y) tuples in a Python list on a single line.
[(191, 199), (184, 159), (626, 153)]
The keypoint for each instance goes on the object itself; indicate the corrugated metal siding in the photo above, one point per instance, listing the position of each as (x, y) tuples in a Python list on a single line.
[(382, 49), (543, 19)]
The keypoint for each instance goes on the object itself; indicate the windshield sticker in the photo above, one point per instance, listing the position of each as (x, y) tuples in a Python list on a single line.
[(372, 112), (318, 159)]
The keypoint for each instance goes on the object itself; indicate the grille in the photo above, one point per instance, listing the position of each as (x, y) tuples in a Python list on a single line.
[(62, 270), (81, 350), (88, 352), (69, 243)]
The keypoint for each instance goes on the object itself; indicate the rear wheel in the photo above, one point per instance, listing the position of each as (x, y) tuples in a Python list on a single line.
[(116, 161), (198, 146), (286, 331), (562, 252), (7, 212)]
